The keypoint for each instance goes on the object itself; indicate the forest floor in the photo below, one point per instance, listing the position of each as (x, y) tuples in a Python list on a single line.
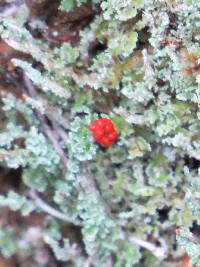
[(56, 27)]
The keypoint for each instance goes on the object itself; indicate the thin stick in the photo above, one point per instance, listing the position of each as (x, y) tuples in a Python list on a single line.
[(47, 130), (88, 262), (50, 210), (60, 132), (53, 114), (53, 138), (159, 252)]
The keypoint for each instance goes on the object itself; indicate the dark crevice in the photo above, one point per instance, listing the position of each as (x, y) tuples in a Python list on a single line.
[(163, 214)]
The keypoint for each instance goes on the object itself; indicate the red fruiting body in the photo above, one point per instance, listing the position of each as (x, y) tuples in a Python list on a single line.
[(112, 136), (105, 142), (98, 134), (109, 128), (103, 131), (91, 127)]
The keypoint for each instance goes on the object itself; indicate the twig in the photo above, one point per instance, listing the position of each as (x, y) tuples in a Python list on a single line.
[(9, 11), (59, 130), (53, 140), (47, 130), (53, 114), (52, 137), (88, 262), (50, 210), (159, 252)]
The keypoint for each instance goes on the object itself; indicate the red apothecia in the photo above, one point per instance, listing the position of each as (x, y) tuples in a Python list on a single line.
[(103, 131)]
